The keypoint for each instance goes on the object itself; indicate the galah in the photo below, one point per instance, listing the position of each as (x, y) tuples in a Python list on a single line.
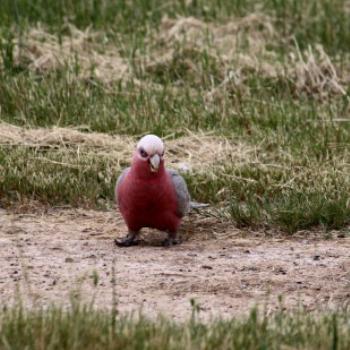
[(149, 195)]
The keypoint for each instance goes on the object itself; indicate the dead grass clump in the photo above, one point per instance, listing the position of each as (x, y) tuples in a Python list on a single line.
[(241, 40), (53, 137), (190, 152), (200, 151), (42, 51), (118, 147), (234, 52), (312, 72), (242, 47), (251, 32)]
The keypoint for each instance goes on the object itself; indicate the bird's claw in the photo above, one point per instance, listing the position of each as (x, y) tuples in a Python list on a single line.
[(126, 242), (168, 242)]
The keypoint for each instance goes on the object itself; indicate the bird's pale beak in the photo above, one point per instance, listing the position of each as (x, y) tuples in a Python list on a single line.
[(154, 162)]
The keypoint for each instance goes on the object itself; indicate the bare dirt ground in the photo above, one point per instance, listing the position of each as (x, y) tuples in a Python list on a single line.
[(61, 253)]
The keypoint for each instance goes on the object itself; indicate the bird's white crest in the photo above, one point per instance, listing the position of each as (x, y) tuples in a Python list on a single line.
[(152, 144)]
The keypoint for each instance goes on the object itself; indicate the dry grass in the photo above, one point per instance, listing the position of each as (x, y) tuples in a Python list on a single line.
[(239, 47), (42, 51), (314, 73), (225, 39), (191, 152)]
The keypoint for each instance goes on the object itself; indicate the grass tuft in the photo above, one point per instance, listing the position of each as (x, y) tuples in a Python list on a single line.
[(81, 327)]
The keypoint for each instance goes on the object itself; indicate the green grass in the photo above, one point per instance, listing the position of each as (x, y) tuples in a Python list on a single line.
[(56, 177), (255, 75), (255, 195), (300, 129), (321, 21), (82, 327)]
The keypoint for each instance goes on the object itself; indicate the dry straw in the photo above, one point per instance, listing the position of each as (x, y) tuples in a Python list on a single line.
[(240, 46), (190, 152), (43, 51)]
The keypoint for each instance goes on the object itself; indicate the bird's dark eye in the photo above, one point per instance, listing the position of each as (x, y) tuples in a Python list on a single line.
[(143, 153)]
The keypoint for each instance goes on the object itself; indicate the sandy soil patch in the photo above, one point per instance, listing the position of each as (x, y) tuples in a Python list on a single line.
[(48, 257)]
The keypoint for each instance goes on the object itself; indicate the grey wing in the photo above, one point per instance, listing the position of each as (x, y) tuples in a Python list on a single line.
[(183, 196), (119, 181)]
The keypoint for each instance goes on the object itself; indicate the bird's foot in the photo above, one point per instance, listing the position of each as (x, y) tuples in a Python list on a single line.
[(168, 242), (126, 241)]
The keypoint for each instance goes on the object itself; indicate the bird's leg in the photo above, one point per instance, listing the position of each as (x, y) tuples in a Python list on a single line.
[(128, 240), (171, 239)]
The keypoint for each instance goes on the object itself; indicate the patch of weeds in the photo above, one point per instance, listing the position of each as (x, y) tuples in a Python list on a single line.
[(188, 67), (83, 327), (56, 177), (248, 213), (301, 210)]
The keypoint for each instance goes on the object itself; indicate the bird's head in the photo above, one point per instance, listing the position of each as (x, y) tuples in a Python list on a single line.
[(149, 154)]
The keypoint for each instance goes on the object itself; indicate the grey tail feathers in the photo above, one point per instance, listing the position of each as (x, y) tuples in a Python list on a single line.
[(196, 205)]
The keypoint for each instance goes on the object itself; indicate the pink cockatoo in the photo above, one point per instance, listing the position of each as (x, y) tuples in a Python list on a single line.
[(149, 195)]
